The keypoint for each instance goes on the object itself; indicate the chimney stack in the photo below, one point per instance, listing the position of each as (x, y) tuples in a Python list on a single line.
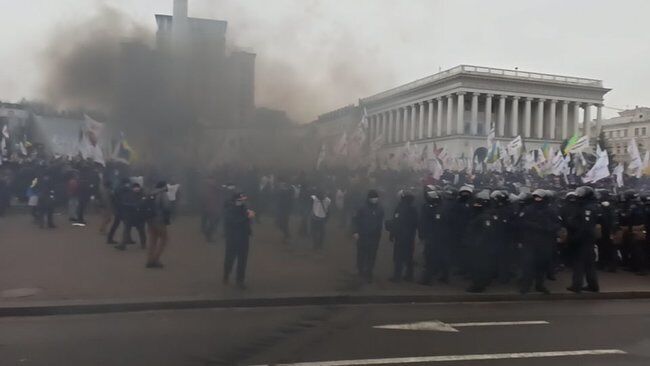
[(180, 9)]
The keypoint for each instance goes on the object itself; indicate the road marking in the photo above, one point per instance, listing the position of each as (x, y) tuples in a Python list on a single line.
[(453, 358), (439, 326)]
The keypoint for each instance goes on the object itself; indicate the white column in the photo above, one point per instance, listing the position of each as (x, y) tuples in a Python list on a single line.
[(420, 120), (389, 133), (540, 119), (514, 117), (576, 118), (460, 114), (440, 105), (599, 118), (413, 122), (565, 119), (587, 124), (450, 114), (551, 119), (405, 121), (430, 118), (527, 115), (488, 113), (502, 115), (474, 120)]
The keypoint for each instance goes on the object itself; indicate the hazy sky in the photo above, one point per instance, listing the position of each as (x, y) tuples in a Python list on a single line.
[(351, 49)]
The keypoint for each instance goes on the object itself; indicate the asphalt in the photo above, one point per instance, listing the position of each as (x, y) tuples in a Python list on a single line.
[(320, 335), (72, 270)]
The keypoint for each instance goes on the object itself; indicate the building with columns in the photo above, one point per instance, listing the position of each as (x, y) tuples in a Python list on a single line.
[(455, 109)]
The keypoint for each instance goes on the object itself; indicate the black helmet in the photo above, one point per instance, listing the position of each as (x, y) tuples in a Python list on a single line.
[(585, 193), (373, 194), (482, 198), (630, 195)]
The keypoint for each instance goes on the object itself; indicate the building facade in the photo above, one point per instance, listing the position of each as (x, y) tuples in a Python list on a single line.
[(456, 108), (216, 82), (629, 123)]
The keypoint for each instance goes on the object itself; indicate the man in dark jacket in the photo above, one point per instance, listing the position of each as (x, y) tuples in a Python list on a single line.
[(283, 208), (117, 200), (539, 224), (46, 201), (133, 203), (433, 230), (403, 228), (237, 231), (367, 226)]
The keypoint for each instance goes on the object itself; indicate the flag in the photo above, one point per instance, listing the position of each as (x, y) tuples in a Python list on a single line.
[(618, 172), (123, 151), (600, 169), (576, 144), (515, 145), (321, 156), (89, 138), (377, 143), (635, 165), (490, 137), (341, 148)]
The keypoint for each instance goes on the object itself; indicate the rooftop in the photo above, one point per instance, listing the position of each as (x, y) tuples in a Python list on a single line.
[(491, 72)]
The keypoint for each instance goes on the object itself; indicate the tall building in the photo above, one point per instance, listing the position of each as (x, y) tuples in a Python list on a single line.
[(630, 123), (218, 84), (457, 107)]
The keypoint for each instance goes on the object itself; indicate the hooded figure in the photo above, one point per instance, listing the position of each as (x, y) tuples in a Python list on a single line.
[(584, 221), (403, 228), (433, 230), (539, 224), (237, 232), (367, 226)]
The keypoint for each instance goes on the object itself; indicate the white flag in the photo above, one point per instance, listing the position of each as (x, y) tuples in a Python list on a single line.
[(515, 145), (618, 172), (636, 165), (600, 169), (321, 157)]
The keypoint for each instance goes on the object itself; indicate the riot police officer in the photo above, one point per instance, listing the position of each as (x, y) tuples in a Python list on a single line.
[(482, 234), (539, 223), (367, 227), (402, 228), (433, 230), (502, 214), (584, 222)]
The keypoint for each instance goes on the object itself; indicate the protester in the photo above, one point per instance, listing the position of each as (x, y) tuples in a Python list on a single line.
[(319, 216), (157, 221), (134, 206)]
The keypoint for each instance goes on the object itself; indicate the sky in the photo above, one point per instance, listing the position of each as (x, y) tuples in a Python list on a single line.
[(332, 53)]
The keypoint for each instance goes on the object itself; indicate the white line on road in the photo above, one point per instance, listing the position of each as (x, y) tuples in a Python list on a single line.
[(487, 324), (452, 358), (439, 326)]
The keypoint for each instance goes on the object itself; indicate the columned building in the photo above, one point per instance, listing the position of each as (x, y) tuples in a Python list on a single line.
[(456, 108)]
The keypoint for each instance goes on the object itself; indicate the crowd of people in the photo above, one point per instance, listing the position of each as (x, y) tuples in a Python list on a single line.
[(486, 227)]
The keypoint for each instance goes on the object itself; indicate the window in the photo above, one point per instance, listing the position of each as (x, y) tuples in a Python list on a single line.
[(636, 132), (624, 133), (642, 131), (618, 133)]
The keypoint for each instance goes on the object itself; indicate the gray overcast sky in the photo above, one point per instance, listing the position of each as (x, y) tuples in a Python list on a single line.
[(373, 44)]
